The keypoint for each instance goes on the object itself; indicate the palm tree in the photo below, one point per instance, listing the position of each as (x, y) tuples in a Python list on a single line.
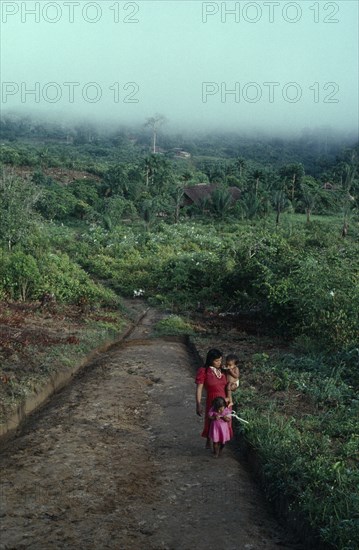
[(202, 205), (221, 202), (348, 209), (147, 164), (151, 163), (349, 176), (292, 173), (158, 173), (177, 195), (308, 200), (240, 164), (257, 175), (44, 156), (280, 203), (148, 212), (249, 206)]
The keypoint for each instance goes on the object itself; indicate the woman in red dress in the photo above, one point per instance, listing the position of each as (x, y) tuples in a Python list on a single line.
[(214, 381)]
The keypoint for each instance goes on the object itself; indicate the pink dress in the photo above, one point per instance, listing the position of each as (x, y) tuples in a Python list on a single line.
[(215, 387), (219, 430)]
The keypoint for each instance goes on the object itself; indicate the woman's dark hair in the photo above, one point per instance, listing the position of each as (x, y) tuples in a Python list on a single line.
[(211, 356), (232, 357), (218, 402)]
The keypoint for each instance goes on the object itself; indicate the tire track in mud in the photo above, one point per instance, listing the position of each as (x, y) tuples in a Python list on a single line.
[(115, 461)]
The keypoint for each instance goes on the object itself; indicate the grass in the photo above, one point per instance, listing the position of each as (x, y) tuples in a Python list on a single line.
[(173, 326)]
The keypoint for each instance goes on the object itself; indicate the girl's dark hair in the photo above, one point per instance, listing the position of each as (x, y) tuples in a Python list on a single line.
[(232, 357), (218, 402), (211, 356)]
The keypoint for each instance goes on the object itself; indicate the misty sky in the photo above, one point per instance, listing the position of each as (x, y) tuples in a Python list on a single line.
[(289, 65)]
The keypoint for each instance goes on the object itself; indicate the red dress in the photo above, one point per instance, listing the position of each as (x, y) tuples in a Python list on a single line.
[(215, 387)]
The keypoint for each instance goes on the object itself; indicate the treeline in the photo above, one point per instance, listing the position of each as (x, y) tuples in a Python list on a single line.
[(123, 181), (315, 149)]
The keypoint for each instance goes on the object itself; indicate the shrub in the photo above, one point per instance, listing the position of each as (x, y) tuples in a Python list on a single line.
[(20, 276), (70, 283)]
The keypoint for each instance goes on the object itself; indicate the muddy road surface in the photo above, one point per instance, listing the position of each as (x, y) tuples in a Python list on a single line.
[(116, 461)]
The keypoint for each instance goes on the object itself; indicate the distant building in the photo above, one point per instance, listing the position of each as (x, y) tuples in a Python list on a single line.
[(159, 150), (329, 186), (180, 153), (183, 154)]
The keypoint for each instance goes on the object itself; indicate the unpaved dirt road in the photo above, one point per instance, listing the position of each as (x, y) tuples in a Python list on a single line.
[(116, 461)]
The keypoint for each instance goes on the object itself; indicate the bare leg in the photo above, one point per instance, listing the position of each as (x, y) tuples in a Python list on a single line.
[(221, 447), (208, 443), (216, 450)]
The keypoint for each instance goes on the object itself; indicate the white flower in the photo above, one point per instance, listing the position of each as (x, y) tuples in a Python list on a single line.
[(139, 292), (332, 293)]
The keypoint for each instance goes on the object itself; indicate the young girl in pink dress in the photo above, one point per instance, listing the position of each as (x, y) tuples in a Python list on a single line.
[(219, 429)]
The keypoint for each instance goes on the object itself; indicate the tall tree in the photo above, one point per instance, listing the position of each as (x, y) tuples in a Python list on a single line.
[(177, 195), (349, 171), (257, 175), (155, 122), (292, 174)]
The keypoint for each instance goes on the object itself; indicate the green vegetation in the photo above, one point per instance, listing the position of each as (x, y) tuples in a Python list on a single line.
[(307, 438), (89, 215), (173, 326), (302, 280)]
